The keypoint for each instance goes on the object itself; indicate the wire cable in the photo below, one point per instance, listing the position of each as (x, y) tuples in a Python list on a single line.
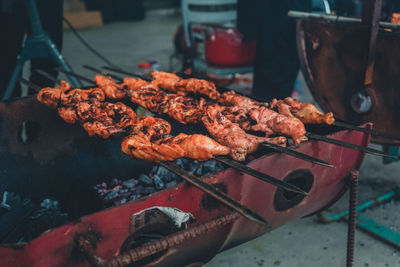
[(88, 46)]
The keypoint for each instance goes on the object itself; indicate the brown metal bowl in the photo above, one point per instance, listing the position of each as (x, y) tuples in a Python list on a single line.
[(333, 57)]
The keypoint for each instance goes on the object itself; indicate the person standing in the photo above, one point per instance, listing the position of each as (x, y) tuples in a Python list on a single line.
[(277, 63)]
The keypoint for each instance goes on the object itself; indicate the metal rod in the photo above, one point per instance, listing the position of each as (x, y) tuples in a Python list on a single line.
[(35, 87), (351, 224), (371, 15), (126, 73), (153, 247), (296, 154), (215, 193), (48, 76), (337, 19), (262, 176), (101, 72), (348, 145), (76, 75), (366, 130)]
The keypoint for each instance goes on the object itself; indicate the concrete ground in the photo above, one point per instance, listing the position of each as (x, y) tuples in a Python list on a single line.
[(304, 242)]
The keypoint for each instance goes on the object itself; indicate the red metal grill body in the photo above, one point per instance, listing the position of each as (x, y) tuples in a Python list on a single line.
[(57, 247)]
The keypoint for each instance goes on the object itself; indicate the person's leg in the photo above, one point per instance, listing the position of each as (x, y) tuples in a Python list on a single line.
[(51, 16), (274, 78), (12, 28), (277, 62)]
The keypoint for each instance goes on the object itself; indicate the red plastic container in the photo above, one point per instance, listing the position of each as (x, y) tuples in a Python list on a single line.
[(225, 47)]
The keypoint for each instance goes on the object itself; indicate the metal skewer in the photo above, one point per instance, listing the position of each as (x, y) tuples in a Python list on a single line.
[(76, 75), (296, 154), (214, 192), (126, 73), (366, 130), (187, 176), (262, 176), (115, 77), (48, 76), (241, 167), (348, 145), (35, 87)]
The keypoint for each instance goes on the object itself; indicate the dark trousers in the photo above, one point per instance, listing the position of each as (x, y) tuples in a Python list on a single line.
[(277, 62), (14, 24)]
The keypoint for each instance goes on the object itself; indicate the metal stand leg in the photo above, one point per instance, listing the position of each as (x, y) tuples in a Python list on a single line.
[(56, 56), (13, 80), (35, 46)]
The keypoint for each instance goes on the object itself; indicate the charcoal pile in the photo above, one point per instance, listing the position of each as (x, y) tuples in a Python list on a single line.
[(118, 192), (22, 220)]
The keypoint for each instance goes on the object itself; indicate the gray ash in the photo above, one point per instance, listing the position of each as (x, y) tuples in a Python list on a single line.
[(118, 192)]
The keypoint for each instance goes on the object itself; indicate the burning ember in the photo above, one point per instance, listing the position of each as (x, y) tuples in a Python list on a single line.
[(118, 192)]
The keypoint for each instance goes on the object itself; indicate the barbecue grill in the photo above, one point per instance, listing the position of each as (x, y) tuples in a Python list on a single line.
[(60, 161)]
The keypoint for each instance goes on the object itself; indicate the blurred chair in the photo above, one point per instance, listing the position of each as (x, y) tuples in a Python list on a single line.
[(321, 6), (210, 13)]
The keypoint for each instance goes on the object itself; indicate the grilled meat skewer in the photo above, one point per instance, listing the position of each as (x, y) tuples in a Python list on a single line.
[(186, 145), (157, 101), (267, 144), (306, 112), (146, 135)]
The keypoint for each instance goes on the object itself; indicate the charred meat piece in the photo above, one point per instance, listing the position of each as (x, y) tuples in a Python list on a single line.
[(197, 146), (51, 96), (101, 118), (64, 96), (110, 88), (150, 98), (185, 109), (230, 134), (133, 84), (305, 112), (75, 96), (165, 80), (154, 128), (181, 108), (173, 83), (101, 129), (232, 98), (68, 114), (140, 146), (272, 123)]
